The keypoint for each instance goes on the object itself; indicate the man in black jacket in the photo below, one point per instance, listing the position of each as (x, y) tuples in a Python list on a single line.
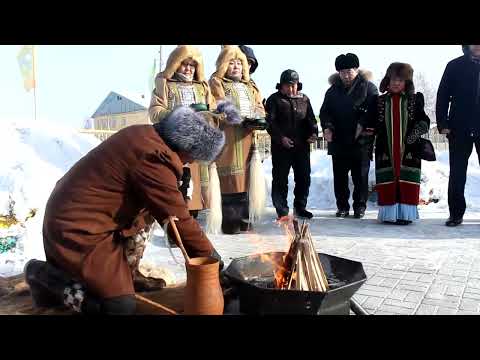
[(292, 127), (460, 89), (344, 106)]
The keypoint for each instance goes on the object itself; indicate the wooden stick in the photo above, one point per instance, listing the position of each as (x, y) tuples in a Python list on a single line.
[(171, 220), (157, 305)]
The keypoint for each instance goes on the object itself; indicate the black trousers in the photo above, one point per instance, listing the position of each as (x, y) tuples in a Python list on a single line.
[(460, 149), (282, 161), (358, 163)]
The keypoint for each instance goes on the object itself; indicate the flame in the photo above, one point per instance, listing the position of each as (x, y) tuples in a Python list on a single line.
[(280, 272)]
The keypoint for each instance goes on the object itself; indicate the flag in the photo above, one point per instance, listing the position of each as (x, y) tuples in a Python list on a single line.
[(26, 61), (151, 85)]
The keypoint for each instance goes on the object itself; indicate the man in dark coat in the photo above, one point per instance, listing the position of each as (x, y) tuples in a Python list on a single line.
[(292, 127), (459, 89), (102, 201), (344, 105)]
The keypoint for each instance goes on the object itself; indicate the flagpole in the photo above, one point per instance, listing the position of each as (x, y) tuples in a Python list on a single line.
[(160, 63), (34, 84)]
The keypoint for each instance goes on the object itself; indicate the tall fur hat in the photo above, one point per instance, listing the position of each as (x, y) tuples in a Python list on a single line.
[(180, 54), (347, 61), (403, 71), (187, 131), (228, 53)]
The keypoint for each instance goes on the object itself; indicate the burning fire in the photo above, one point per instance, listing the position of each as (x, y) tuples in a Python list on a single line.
[(300, 268)]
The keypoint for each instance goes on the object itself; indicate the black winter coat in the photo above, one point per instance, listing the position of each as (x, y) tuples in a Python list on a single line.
[(460, 89), (292, 117), (343, 109)]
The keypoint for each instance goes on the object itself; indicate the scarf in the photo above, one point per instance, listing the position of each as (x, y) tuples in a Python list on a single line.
[(182, 77)]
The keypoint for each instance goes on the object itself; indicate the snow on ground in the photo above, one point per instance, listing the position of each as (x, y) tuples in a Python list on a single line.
[(35, 156)]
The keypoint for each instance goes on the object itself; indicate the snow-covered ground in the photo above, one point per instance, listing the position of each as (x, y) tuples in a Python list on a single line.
[(35, 156)]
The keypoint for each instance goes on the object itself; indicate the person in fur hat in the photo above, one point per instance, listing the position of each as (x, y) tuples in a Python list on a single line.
[(231, 81), (458, 117), (344, 105), (101, 201), (293, 128), (399, 120), (183, 83)]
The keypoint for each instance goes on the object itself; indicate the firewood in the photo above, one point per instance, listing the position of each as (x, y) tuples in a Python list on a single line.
[(301, 268)]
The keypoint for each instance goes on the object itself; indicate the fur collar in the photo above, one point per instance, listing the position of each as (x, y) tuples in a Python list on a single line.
[(335, 78)]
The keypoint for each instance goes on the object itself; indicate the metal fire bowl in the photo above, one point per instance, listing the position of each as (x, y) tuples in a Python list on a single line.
[(251, 279)]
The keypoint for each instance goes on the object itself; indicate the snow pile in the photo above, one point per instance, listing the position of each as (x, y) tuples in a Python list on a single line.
[(435, 182), (34, 157)]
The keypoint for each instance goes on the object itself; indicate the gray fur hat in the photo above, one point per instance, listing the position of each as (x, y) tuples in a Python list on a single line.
[(187, 131)]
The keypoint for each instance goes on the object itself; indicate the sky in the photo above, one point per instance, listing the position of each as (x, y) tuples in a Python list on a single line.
[(72, 80)]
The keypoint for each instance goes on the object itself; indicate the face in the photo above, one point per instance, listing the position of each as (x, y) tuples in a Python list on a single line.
[(396, 85), (234, 68), (289, 89), (348, 75), (475, 50), (187, 68)]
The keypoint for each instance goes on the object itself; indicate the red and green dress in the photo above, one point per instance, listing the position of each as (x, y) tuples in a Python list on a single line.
[(399, 120)]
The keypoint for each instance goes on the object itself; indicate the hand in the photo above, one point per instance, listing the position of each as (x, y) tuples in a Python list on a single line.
[(445, 131), (328, 135), (312, 139), (286, 142)]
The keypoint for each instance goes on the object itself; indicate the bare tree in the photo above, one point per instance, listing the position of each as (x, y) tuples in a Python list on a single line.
[(425, 87)]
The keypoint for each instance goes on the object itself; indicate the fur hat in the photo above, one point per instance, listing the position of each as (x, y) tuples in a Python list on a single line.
[(187, 131), (403, 71), (228, 53), (289, 76), (177, 56), (347, 61), (250, 57)]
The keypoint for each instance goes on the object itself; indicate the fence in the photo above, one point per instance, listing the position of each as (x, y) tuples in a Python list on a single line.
[(99, 134)]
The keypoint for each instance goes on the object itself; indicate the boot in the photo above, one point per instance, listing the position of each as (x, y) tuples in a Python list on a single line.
[(303, 213), (452, 222), (144, 284), (231, 216), (245, 224), (359, 213), (52, 287), (342, 213)]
